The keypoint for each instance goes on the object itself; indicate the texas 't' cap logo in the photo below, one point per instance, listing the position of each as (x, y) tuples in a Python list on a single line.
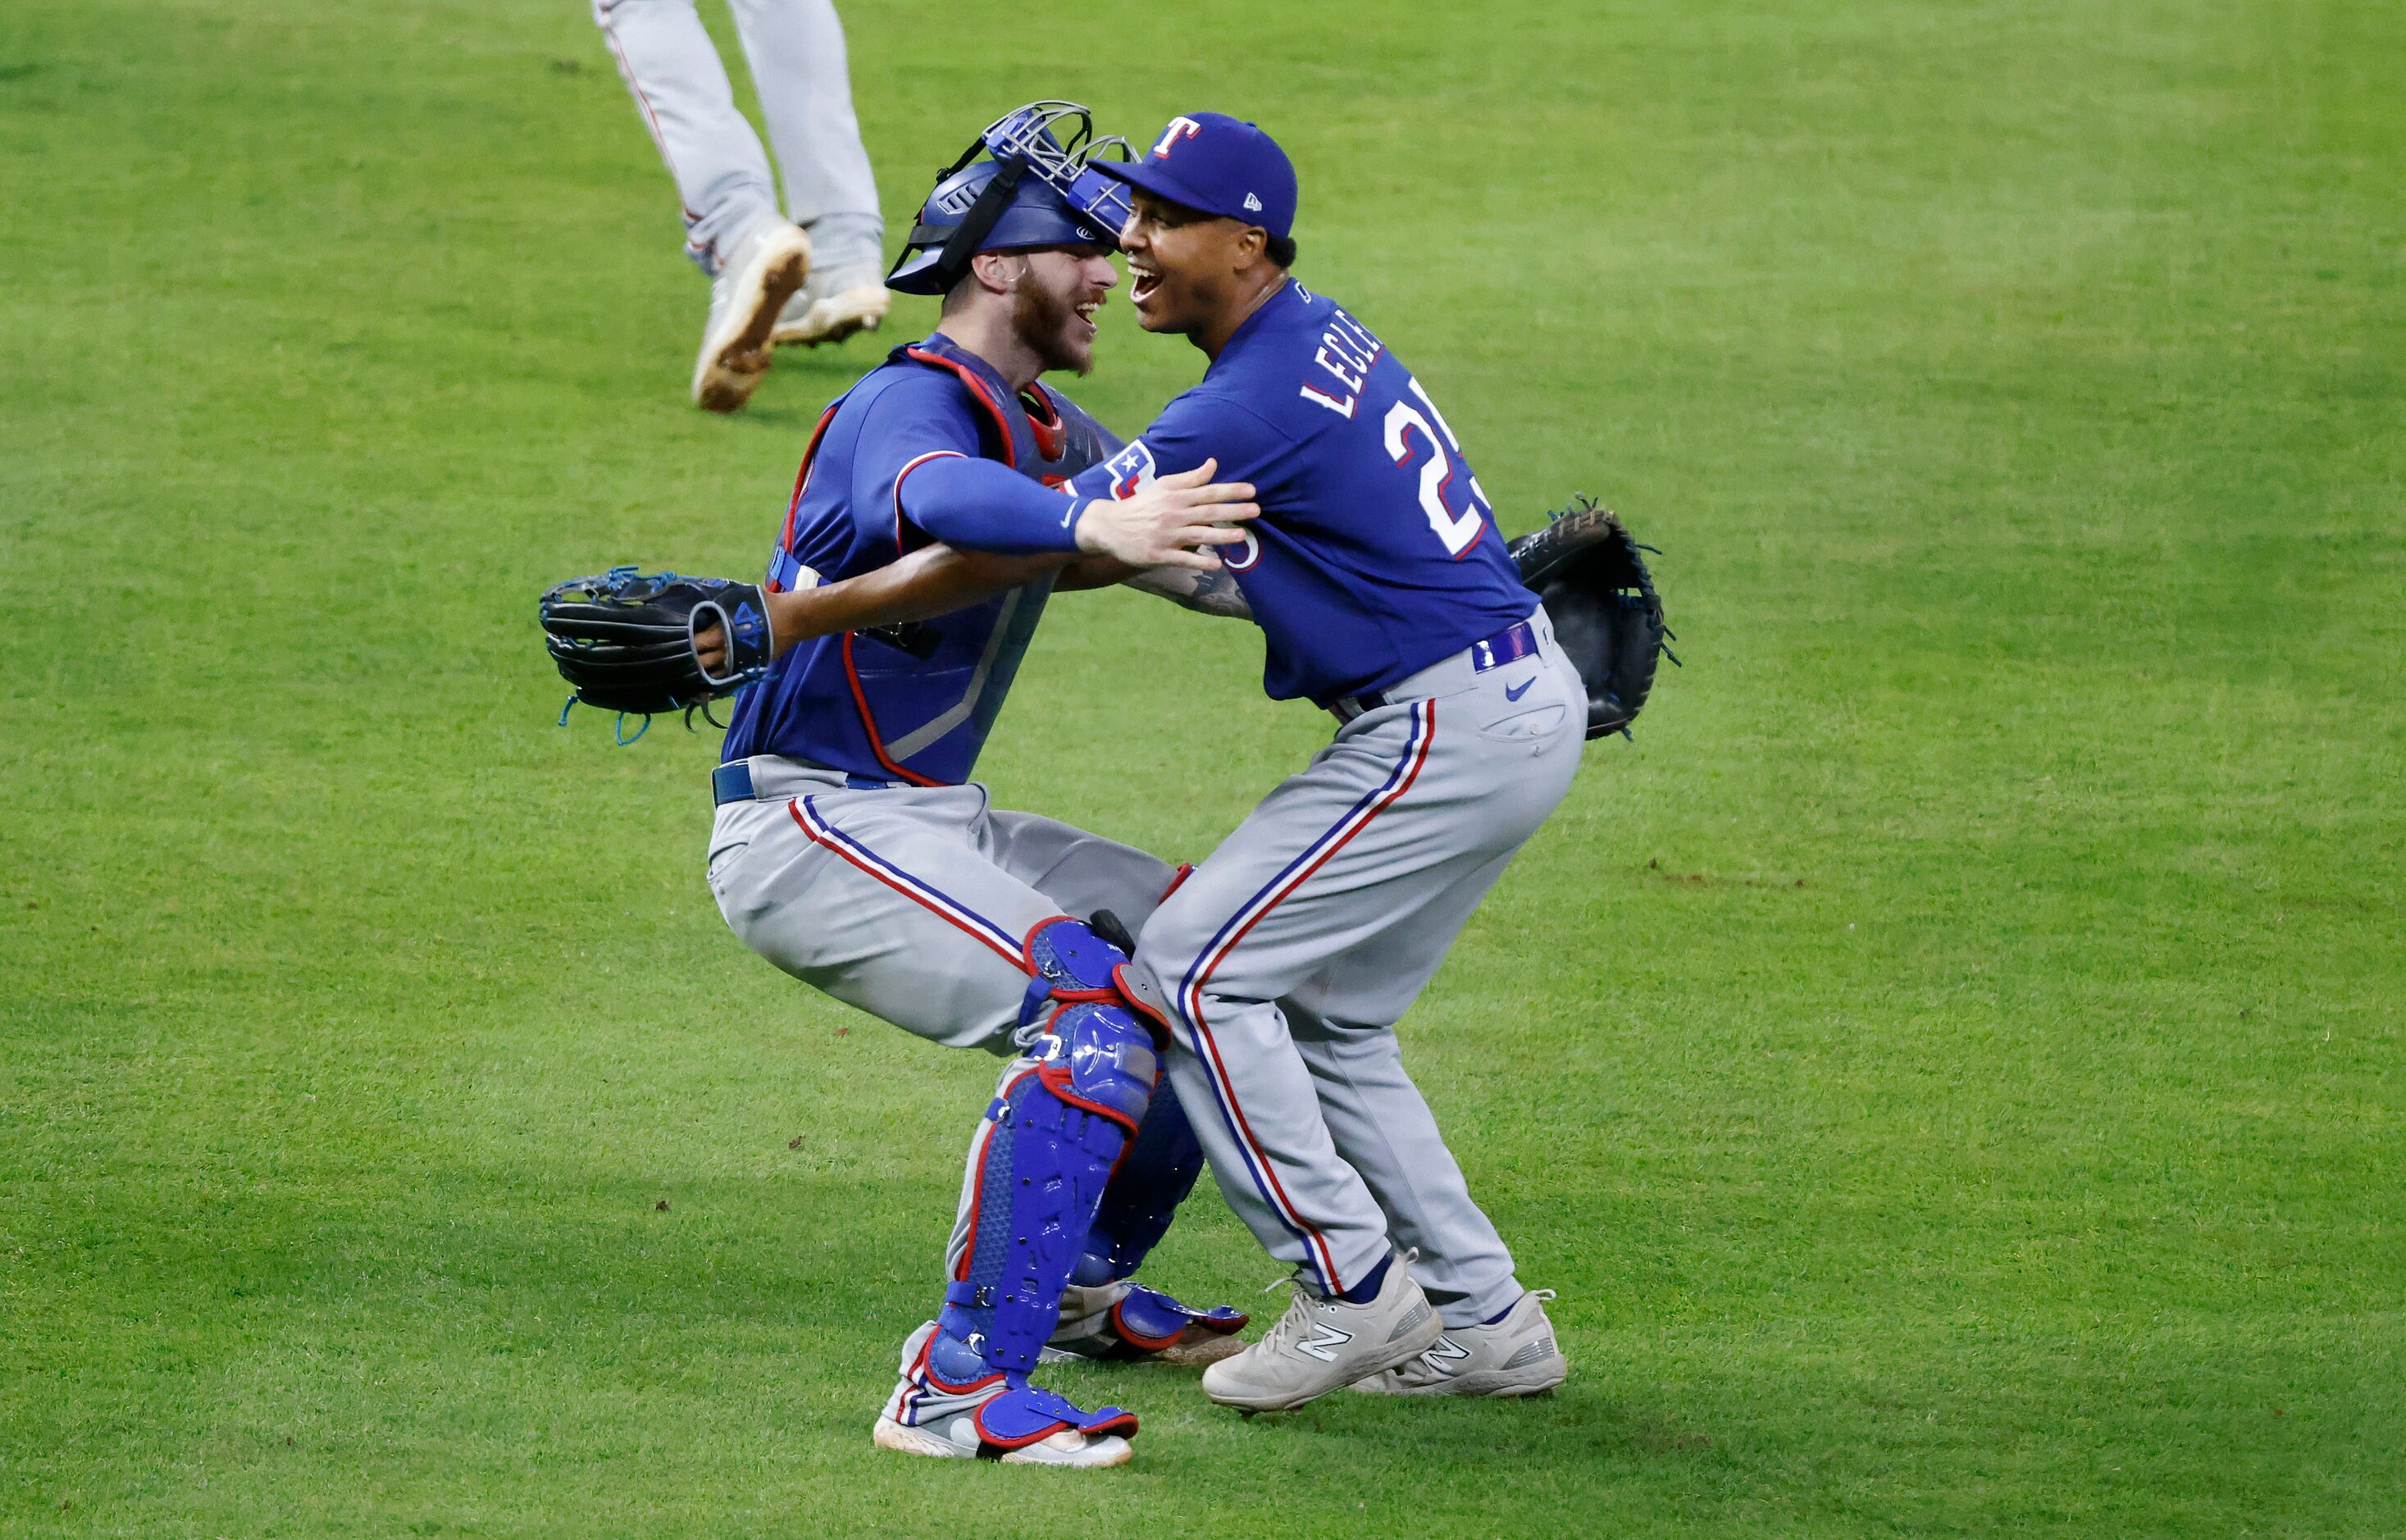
[(1181, 127)]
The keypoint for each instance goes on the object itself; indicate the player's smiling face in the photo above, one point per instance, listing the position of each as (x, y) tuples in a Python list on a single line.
[(1057, 298), (1181, 264)]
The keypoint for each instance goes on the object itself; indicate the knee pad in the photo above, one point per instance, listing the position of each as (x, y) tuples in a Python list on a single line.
[(1052, 1139), (1070, 962)]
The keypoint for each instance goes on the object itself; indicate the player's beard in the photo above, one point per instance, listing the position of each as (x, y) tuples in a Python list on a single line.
[(1045, 321)]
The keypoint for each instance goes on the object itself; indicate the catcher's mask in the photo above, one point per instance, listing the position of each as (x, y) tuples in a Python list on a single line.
[(1037, 189)]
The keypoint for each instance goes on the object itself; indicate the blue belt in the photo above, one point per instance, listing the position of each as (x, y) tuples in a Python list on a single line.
[(1509, 645), (732, 783)]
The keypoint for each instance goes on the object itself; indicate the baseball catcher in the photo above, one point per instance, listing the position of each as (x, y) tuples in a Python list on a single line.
[(851, 847)]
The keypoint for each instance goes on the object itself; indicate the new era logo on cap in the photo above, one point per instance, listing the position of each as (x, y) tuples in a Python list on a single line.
[(1216, 164)]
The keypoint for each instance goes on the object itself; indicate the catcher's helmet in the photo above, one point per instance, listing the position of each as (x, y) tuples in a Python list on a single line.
[(1036, 192)]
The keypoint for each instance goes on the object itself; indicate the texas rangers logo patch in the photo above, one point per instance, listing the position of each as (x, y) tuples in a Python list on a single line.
[(1131, 469)]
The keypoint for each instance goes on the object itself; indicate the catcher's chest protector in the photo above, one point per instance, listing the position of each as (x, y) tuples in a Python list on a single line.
[(908, 702)]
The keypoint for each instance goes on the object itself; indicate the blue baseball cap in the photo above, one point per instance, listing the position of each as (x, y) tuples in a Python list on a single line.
[(1216, 164)]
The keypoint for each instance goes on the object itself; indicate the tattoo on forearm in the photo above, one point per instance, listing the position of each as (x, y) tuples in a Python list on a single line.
[(1209, 593)]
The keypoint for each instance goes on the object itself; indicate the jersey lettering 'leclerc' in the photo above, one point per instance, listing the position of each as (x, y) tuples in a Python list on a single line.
[(1376, 554)]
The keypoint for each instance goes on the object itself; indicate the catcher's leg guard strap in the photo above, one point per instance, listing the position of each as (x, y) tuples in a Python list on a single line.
[(1053, 1138)]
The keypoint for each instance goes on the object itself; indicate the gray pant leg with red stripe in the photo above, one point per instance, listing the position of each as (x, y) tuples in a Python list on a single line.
[(1339, 896)]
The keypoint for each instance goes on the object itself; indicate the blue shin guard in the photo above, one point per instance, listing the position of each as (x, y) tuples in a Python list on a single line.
[(1153, 1177), (1050, 1140)]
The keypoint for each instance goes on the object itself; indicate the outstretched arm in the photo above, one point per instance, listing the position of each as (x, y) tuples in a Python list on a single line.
[(982, 505), (930, 580)]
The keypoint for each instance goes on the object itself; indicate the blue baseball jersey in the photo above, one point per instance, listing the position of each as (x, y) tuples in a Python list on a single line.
[(1376, 553), (911, 702)]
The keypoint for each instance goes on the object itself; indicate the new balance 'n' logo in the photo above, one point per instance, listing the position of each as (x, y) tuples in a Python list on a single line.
[(1326, 1341)]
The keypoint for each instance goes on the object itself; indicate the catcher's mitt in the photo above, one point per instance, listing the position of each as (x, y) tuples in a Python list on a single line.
[(1601, 599), (624, 641)]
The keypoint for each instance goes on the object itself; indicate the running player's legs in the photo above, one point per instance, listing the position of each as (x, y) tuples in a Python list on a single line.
[(681, 89), (1264, 913), (796, 53)]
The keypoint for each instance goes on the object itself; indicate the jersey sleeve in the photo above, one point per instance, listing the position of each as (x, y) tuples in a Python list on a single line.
[(920, 474), (981, 506), (1197, 426)]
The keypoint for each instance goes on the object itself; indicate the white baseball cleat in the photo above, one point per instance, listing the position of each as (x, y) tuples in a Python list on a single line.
[(1514, 1356), (1321, 1344), (982, 1414), (833, 305), (767, 264), (957, 1438)]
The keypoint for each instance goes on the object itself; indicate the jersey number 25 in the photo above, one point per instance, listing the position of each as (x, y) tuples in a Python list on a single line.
[(1457, 530)]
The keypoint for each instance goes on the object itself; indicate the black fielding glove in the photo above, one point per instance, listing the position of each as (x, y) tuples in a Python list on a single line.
[(1586, 566), (624, 641)]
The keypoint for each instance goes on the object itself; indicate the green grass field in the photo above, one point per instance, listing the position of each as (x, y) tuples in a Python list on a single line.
[(1950, 1065)]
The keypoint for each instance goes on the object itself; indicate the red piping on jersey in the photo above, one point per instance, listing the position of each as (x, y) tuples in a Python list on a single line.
[(978, 388), (876, 739), (802, 478), (1010, 457), (932, 454)]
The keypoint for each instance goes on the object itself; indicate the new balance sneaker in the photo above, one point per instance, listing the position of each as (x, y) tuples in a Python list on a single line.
[(950, 1406), (1514, 1356), (1320, 1344), (767, 263), (833, 305), (1122, 1320)]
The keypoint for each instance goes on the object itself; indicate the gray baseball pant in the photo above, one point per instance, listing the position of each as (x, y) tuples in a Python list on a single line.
[(796, 51), (912, 902), (1288, 956)]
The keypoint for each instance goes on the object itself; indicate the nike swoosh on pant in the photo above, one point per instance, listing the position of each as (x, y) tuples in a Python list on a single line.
[(1513, 693)]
